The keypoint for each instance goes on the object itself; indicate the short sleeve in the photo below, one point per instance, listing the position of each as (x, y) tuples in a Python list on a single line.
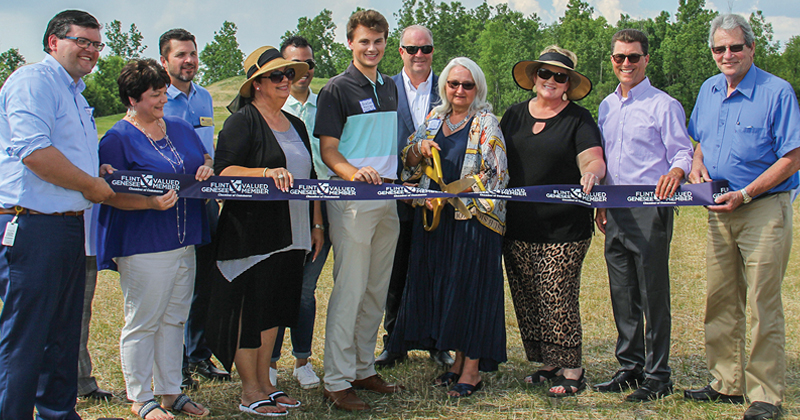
[(112, 151), (587, 134), (331, 117)]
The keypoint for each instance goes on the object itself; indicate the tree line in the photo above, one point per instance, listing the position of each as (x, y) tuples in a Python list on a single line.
[(496, 37)]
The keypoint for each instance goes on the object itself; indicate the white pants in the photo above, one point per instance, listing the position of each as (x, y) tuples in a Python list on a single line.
[(364, 236), (157, 289)]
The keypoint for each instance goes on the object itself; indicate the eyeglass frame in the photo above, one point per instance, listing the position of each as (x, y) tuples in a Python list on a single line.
[(417, 48), (632, 58), (553, 74), (735, 48), (98, 46), (274, 75), (311, 63)]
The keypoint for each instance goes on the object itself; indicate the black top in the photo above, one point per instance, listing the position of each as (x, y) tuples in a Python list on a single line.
[(549, 157), (248, 228)]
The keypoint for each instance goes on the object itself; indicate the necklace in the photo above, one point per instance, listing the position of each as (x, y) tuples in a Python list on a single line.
[(178, 163), (454, 127)]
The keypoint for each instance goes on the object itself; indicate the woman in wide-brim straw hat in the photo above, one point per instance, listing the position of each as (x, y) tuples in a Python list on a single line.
[(261, 245), (550, 140)]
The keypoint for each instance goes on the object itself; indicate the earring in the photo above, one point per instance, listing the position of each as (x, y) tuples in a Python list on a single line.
[(258, 88), (564, 96), (131, 112)]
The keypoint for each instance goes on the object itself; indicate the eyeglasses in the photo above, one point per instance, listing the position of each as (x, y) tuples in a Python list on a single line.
[(454, 84), (311, 63), (412, 49), (546, 74), (632, 58), (721, 49), (277, 75), (84, 43)]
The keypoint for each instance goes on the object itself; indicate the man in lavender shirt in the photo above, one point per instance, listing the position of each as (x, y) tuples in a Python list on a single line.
[(645, 142)]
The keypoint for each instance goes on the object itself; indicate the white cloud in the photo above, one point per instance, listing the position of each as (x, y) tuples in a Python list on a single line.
[(610, 9), (784, 27)]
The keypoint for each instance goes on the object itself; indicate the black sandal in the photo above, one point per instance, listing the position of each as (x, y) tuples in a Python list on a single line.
[(446, 379), (568, 384), (542, 377)]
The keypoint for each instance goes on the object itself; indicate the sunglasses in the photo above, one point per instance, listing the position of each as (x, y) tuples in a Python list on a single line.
[(632, 58), (277, 75), (412, 49), (545, 74), (721, 49), (311, 63), (84, 43), (454, 84)]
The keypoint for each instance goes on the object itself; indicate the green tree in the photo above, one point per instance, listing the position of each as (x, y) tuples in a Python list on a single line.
[(331, 57), (221, 58), (102, 91), (9, 61), (127, 45), (767, 54), (790, 59)]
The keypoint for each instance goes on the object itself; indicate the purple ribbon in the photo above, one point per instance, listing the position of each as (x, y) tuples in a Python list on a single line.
[(262, 189)]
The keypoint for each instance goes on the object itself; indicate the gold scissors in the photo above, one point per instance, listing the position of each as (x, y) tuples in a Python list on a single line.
[(434, 172)]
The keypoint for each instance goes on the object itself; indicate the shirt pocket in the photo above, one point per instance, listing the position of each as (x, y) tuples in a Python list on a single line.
[(752, 144)]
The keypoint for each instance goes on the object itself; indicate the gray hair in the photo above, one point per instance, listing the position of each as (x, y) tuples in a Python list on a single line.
[(480, 102), (419, 27), (729, 22)]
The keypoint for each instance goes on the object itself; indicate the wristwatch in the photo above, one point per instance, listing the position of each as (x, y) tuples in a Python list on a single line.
[(745, 196)]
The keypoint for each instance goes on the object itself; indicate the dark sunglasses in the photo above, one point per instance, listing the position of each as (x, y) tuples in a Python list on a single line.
[(632, 58), (545, 74), (455, 84), (311, 63), (277, 75), (721, 49), (412, 49), (84, 43)]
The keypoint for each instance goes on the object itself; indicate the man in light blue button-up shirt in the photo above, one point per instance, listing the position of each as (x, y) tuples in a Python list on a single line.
[(48, 177), (747, 124)]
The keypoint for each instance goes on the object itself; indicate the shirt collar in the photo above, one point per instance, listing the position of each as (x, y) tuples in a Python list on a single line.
[(745, 87), (311, 100), (174, 92), (407, 80), (65, 77), (361, 77), (635, 91)]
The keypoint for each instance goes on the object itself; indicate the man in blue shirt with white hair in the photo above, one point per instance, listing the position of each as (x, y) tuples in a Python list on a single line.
[(48, 178), (747, 124)]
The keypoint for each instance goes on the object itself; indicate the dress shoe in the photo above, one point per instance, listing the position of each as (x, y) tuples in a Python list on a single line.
[(208, 370), (389, 359), (651, 389), (99, 394), (375, 383), (709, 394), (442, 358), (188, 382), (760, 410), (345, 399), (623, 379)]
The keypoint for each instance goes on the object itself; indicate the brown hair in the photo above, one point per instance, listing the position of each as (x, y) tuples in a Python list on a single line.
[(629, 36), (139, 75), (371, 19)]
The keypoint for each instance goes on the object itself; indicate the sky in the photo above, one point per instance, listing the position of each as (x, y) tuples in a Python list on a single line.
[(23, 22)]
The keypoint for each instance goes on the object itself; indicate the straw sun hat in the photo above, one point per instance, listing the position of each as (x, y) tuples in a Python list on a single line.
[(263, 61), (579, 85)]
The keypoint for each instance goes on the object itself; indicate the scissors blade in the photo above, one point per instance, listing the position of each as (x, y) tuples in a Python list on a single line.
[(462, 184)]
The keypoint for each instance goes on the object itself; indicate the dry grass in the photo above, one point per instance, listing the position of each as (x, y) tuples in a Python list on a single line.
[(505, 396)]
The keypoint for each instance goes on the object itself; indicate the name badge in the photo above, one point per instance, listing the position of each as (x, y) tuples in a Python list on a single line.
[(434, 124), (206, 121), (367, 105)]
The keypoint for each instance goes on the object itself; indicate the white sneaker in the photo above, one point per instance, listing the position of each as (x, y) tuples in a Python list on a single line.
[(306, 376), (273, 376)]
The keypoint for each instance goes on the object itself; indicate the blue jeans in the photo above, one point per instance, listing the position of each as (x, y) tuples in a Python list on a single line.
[(303, 332), (41, 284)]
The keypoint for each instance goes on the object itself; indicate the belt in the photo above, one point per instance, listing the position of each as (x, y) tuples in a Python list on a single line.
[(29, 211)]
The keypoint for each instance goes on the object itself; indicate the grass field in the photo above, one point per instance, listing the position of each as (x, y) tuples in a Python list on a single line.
[(505, 396)]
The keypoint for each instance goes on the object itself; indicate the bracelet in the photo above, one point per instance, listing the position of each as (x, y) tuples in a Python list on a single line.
[(414, 151), (419, 148), (264, 174), (318, 226)]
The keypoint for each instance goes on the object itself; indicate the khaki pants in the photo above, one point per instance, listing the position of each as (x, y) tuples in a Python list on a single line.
[(747, 254), (364, 236)]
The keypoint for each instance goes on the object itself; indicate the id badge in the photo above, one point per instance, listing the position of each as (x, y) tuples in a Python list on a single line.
[(10, 234), (206, 121)]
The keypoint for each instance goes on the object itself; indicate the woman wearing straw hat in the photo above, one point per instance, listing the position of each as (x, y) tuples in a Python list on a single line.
[(550, 140), (261, 245)]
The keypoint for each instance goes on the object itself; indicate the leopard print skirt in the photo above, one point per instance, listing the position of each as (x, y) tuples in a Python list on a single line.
[(545, 282)]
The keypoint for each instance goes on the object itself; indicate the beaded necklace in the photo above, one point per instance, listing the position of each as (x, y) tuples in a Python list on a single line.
[(178, 163)]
